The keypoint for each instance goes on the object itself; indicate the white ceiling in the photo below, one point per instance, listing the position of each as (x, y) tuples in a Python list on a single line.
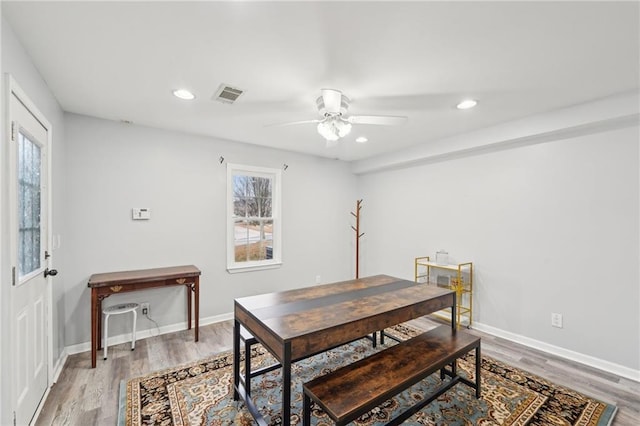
[(121, 61)]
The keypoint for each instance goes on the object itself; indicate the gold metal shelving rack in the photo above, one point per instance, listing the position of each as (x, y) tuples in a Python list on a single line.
[(457, 277)]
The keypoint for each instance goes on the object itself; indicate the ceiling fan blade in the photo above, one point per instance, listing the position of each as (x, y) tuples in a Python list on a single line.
[(292, 123), (332, 99), (383, 120)]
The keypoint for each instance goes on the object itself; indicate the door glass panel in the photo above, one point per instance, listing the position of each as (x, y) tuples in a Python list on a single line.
[(29, 205)]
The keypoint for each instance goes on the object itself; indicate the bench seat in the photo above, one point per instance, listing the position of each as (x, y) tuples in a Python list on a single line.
[(347, 393), (249, 340)]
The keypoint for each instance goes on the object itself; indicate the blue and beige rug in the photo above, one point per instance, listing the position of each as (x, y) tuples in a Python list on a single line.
[(200, 393)]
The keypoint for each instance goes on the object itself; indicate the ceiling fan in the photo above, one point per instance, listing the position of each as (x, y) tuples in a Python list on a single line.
[(335, 124)]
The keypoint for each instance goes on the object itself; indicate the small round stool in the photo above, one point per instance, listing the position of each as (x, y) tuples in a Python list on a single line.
[(116, 310)]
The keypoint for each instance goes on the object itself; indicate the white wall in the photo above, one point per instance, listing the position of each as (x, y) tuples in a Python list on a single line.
[(550, 227), (16, 62), (113, 167)]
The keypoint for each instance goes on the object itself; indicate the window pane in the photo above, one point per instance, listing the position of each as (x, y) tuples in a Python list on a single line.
[(239, 207), (253, 194), (253, 240), (265, 247), (248, 241), (264, 207), (29, 206), (241, 232), (252, 207), (240, 186)]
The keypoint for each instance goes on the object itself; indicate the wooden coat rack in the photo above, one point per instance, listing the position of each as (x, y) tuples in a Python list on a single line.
[(358, 235)]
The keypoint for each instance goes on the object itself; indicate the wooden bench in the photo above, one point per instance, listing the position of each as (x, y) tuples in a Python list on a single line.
[(347, 393), (249, 340)]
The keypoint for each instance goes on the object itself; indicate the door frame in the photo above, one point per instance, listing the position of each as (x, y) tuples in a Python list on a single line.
[(13, 88)]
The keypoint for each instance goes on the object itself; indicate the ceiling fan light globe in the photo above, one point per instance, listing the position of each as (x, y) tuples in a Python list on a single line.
[(344, 128), (334, 128), (328, 131)]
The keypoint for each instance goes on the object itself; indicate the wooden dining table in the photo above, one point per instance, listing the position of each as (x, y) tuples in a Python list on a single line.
[(296, 324)]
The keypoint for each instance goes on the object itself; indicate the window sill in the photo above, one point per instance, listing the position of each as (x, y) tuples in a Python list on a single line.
[(253, 267)]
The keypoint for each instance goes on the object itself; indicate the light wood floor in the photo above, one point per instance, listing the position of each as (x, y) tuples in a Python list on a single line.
[(86, 396)]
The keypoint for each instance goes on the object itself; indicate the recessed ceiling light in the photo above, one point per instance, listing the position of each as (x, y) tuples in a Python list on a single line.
[(184, 94), (361, 139), (467, 103)]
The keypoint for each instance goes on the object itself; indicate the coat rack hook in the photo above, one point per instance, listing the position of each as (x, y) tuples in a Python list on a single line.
[(221, 159)]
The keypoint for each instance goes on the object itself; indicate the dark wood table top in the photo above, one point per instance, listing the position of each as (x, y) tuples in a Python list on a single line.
[(142, 275), (315, 318)]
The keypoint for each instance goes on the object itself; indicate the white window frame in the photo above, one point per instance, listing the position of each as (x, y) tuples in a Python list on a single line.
[(276, 260)]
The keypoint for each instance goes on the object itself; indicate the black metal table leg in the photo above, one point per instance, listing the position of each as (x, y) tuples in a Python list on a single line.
[(236, 359), (286, 385)]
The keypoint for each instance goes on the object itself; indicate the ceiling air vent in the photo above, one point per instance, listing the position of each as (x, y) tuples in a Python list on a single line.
[(227, 94)]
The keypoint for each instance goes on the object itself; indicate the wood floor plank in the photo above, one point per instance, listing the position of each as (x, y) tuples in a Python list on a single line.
[(86, 396)]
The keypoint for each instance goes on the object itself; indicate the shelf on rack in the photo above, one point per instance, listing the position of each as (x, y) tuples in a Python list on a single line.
[(457, 277)]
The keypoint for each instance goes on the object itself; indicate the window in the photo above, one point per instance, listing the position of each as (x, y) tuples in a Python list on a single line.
[(29, 193), (253, 218)]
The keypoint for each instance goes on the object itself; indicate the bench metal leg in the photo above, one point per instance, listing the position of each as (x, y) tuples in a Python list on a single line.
[(249, 340), (306, 411), (478, 368), (236, 360), (383, 335)]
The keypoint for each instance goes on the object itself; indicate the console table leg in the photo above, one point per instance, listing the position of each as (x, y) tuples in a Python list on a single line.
[(99, 321), (94, 309), (196, 289), (189, 291)]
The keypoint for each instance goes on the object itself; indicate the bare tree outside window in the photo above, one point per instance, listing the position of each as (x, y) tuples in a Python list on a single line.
[(252, 201), (253, 218)]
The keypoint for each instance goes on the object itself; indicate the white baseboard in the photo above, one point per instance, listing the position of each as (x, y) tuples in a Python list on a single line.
[(123, 338), (601, 364), (598, 363), (143, 334), (57, 369)]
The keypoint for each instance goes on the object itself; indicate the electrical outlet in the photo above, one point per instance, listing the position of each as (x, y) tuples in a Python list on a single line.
[(144, 308), (318, 279), (556, 320)]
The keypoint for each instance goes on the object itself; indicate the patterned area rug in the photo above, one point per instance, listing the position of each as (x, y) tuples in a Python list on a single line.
[(201, 393)]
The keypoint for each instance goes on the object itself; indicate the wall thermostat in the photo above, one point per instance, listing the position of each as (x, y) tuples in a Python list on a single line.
[(141, 214)]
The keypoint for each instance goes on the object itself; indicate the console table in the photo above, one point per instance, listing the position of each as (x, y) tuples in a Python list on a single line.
[(105, 284)]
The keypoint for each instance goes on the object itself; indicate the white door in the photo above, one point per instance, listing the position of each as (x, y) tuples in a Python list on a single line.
[(29, 234)]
